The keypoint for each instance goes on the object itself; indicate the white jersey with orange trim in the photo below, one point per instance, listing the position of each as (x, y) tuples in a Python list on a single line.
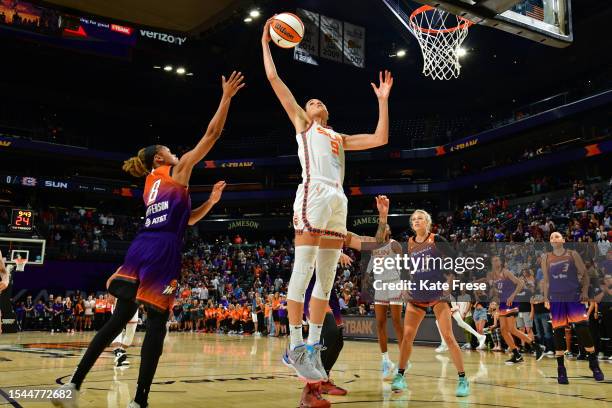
[(321, 154), (320, 206)]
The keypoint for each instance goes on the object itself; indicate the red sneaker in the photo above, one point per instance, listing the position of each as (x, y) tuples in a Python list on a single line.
[(328, 387), (311, 397)]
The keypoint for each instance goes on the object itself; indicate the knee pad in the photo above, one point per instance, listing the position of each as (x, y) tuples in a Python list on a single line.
[(584, 334), (327, 264), (559, 338), (303, 268)]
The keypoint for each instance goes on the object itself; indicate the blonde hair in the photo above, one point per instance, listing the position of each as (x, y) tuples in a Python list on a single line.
[(137, 165), (428, 221)]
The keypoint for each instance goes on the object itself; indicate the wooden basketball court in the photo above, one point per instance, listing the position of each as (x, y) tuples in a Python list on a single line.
[(202, 370)]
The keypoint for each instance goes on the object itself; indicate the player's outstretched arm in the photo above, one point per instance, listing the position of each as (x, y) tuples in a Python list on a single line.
[(230, 87), (380, 137), (294, 110), (215, 196)]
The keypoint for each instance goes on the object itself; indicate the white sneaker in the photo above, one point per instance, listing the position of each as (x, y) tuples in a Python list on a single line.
[(133, 404), (71, 396), (482, 342), (442, 348), (466, 346), (388, 370)]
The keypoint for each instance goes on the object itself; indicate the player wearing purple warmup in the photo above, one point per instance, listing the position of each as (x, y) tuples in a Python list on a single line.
[(566, 285)]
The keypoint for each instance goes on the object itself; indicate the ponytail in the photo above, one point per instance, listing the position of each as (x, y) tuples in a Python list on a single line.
[(141, 164)]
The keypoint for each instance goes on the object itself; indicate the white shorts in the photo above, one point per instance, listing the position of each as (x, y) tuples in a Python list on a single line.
[(320, 209), (254, 317)]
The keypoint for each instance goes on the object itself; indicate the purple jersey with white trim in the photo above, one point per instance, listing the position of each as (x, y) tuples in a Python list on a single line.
[(563, 281)]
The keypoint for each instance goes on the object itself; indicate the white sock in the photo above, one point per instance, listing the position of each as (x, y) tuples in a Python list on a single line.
[(296, 339), (385, 356), (314, 333)]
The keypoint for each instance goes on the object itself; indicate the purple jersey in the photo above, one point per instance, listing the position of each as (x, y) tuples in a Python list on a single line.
[(505, 288), (153, 261), (423, 254), (563, 281), (168, 203)]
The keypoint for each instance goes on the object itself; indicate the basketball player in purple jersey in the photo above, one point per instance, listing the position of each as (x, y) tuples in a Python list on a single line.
[(507, 286), (566, 285), (153, 261)]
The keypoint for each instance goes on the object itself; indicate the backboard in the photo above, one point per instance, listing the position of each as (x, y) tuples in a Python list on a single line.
[(31, 249), (546, 21)]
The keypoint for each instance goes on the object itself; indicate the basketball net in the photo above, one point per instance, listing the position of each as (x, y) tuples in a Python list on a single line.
[(440, 35), (20, 264)]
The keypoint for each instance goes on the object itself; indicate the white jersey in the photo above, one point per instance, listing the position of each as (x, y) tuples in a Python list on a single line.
[(384, 295), (321, 154), (385, 251)]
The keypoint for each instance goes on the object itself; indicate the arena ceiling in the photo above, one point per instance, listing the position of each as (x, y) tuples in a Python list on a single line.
[(189, 16)]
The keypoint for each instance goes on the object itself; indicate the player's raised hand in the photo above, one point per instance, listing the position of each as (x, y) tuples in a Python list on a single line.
[(383, 90), (232, 85), (265, 36), (345, 260), (382, 204), (217, 192)]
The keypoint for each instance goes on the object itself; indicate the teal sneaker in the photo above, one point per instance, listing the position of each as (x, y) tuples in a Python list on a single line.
[(463, 387), (399, 383), (388, 370)]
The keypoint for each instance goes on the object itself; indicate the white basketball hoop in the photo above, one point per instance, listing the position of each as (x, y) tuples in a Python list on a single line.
[(440, 35), (20, 264)]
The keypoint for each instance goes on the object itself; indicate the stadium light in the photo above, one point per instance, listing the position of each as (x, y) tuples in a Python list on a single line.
[(181, 71), (248, 20), (168, 68), (254, 13), (401, 54), (461, 52)]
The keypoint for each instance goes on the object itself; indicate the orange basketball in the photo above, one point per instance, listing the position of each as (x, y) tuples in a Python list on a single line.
[(286, 30)]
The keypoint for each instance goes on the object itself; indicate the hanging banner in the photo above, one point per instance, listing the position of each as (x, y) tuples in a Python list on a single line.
[(307, 50), (331, 38), (354, 45)]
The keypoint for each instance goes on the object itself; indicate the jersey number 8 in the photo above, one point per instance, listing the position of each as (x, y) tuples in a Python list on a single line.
[(153, 192)]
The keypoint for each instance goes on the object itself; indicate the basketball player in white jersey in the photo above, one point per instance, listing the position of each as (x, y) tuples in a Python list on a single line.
[(383, 299), (320, 210)]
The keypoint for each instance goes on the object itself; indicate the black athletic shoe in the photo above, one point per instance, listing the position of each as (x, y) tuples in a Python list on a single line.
[(581, 357), (121, 360), (515, 359), (562, 375), (539, 354)]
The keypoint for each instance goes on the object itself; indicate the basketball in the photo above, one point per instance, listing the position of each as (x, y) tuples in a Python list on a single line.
[(287, 30)]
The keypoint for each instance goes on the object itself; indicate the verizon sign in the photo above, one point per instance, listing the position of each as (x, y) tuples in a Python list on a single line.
[(167, 38)]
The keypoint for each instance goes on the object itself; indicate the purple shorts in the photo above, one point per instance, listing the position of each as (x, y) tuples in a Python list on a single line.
[(150, 271), (565, 313), (505, 310)]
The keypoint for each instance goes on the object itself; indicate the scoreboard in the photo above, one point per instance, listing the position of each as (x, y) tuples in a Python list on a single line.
[(22, 220)]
